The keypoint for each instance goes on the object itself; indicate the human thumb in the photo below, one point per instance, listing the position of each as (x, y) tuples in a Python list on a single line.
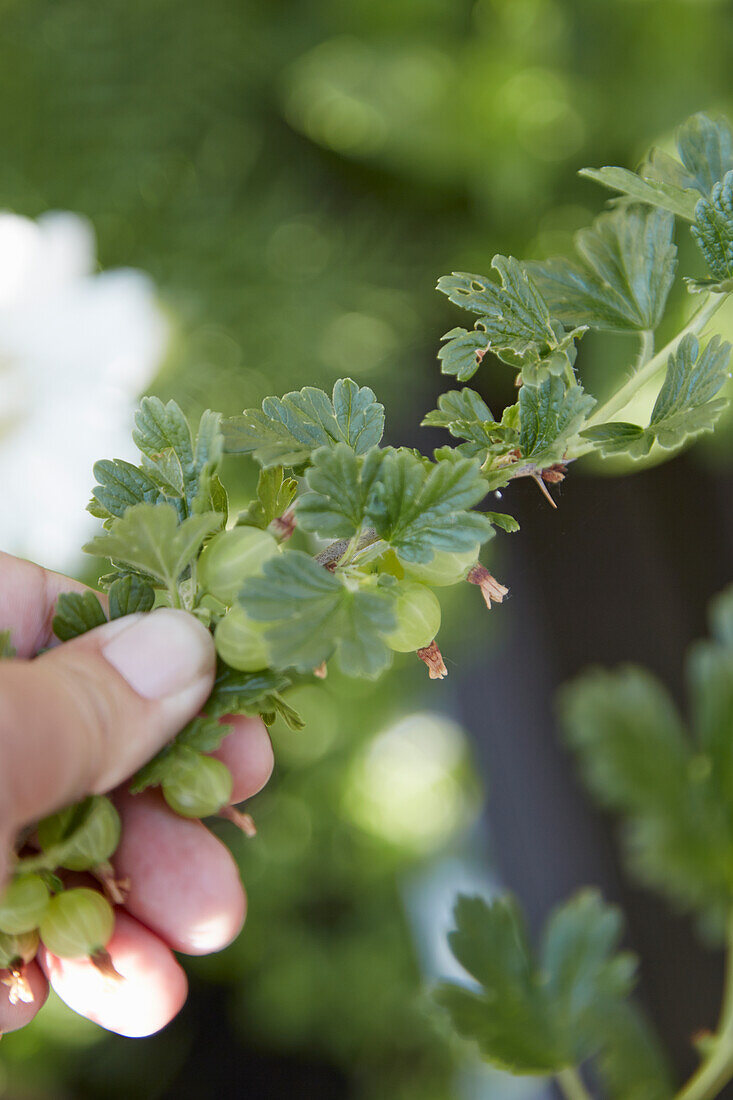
[(85, 715)]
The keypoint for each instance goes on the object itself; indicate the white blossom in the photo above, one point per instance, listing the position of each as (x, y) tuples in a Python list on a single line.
[(76, 349)]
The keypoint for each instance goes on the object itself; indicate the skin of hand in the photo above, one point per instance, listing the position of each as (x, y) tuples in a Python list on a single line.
[(80, 719)]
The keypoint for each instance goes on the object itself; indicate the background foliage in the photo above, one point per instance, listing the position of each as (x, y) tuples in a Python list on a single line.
[(294, 176)]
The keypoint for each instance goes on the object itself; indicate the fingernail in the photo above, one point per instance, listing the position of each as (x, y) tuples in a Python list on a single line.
[(162, 653)]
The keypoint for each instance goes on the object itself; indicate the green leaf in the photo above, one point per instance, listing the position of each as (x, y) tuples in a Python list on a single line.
[(128, 595), (514, 323), (150, 539), (505, 522), (462, 352), (643, 188), (316, 613), (632, 1064), (636, 758), (549, 416), (275, 494), (705, 146), (466, 416), (249, 693), (713, 228), (585, 975), (7, 649), (513, 315), (287, 430), (208, 493), (340, 484), (626, 270), (170, 457), (419, 508), (509, 1018), (204, 733), (416, 506), (537, 1017), (76, 613), (154, 772), (120, 485), (684, 407)]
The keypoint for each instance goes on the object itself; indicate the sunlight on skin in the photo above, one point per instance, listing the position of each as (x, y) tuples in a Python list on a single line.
[(152, 990), (186, 884)]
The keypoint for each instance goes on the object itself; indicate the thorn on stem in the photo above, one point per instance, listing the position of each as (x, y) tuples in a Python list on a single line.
[(543, 488)]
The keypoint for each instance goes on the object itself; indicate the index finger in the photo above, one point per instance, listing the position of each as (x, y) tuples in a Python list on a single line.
[(28, 595)]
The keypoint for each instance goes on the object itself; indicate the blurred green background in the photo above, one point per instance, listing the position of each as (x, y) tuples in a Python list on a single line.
[(294, 176)]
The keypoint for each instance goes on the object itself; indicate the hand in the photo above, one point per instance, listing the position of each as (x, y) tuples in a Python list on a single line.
[(80, 719)]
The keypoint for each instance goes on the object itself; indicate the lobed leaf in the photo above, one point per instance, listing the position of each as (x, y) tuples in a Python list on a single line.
[(705, 148), (537, 1016), (644, 188), (586, 977), (549, 416), (315, 614), (287, 430), (624, 275), (514, 323), (632, 1064), (130, 594), (171, 459), (76, 613), (685, 407), (509, 1017), (419, 508), (275, 494), (340, 484), (150, 539), (636, 758), (120, 485), (713, 228)]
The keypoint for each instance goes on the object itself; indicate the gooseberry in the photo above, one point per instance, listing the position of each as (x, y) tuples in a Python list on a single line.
[(443, 568), (197, 785), (240, 641), (23, 904), (231, 557), (417, 614), (78, 923), (17, 949)]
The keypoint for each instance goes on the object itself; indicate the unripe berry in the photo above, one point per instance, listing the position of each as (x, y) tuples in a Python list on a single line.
[(231, 557), (23, 904), (443, 569), (198, 785), (240, 641), (16, 950), (78, 924), (417, 614)]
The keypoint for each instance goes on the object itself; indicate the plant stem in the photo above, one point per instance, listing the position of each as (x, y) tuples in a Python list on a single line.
[(647, 369), (646, 348), (716, 1068), (571, 1085)]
